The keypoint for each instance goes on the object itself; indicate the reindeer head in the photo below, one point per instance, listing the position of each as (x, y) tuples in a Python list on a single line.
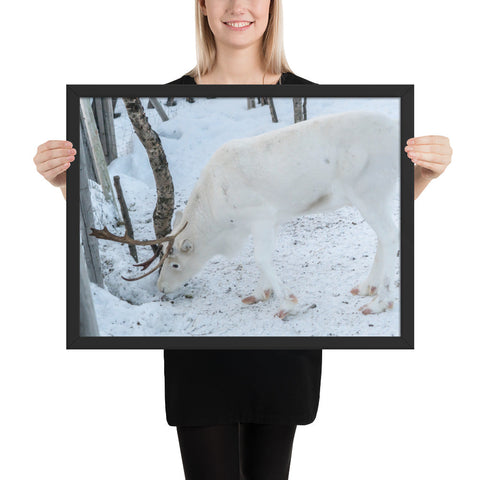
[(180, 261), (183, 261), (168, 242)]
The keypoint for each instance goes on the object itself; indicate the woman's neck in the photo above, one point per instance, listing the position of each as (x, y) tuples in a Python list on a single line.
[(238, 66)]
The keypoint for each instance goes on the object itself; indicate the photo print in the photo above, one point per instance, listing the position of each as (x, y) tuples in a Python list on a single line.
[(262, 218)]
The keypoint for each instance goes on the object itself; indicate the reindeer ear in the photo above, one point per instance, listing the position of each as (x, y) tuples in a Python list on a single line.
[(187, 246), (177, 218)]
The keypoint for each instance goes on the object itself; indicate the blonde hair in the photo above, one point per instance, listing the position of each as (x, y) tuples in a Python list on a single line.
[(272, 47)]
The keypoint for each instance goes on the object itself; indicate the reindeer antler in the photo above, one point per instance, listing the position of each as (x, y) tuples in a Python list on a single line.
[(147, 263), (105, 234)]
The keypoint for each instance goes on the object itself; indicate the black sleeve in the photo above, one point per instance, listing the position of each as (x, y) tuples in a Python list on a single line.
[(185, 80), (292, 79)]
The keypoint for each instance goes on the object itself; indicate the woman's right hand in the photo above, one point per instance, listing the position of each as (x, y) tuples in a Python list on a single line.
[(53, 159)]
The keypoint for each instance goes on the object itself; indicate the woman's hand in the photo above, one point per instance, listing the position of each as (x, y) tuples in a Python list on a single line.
[(431, 155), (53, 159)]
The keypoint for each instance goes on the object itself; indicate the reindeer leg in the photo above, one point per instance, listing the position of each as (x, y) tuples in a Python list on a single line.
[(388, 240), (262, 292), (380, 279), (368, 287), (264, 241), (263, 245)]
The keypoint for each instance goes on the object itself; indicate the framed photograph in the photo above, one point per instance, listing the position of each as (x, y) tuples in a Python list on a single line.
[(240, 217)]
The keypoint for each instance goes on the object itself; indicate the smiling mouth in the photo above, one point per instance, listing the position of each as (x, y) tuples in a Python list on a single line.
[(238, 25)]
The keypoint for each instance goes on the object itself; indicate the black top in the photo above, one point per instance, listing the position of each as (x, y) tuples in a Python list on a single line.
[(285, 79), (211, 387)]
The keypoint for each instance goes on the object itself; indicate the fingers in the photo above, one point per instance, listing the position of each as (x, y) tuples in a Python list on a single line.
[(443, 149), (429, 157), (46, 160), (52, 144), (432, 153), (429, 139), (54, 172), (53, 149), (48, 165), (51, 153), (46, 155), (53, 158), (57, 153)]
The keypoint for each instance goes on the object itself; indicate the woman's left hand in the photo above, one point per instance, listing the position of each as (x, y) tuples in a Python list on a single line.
[(431, 153)]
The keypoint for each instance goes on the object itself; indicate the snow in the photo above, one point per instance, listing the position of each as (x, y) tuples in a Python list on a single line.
[(320, 257)]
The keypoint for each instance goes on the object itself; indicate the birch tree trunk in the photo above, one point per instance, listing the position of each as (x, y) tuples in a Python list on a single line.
[(162, 215), (273, 112), (126, 216), (297, 110), (158, 107)]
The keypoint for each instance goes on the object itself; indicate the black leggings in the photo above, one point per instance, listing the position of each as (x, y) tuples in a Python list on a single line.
[(239, 451)]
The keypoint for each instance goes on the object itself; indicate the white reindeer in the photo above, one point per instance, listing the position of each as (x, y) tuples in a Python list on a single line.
[(252, 185)]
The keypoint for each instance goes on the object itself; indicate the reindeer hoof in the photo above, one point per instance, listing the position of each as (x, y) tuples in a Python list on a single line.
[(364, 290), (253, 299), (281, 314), (376, 306)]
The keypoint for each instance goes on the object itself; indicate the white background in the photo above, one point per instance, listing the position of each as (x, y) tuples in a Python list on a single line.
[(100, 414)]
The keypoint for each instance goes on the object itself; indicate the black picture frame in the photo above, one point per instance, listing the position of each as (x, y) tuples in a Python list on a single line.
[(405, 93)]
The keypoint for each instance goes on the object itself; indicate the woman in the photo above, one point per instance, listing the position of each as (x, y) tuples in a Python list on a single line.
[(236, 411)]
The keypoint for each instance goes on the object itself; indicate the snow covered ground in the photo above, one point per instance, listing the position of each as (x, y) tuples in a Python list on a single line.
[(320, 257)]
